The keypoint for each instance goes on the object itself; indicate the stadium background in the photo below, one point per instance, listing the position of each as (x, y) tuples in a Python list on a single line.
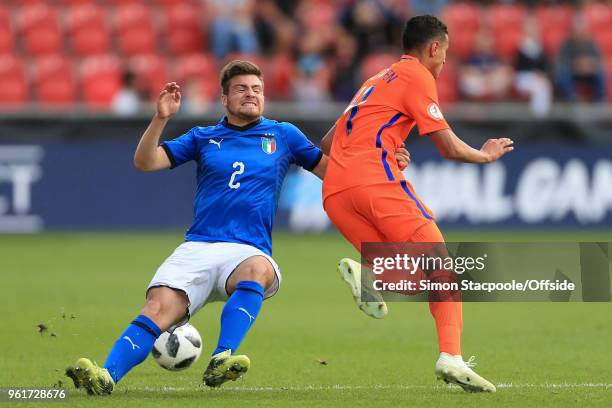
[(76, 83), (78, 78)]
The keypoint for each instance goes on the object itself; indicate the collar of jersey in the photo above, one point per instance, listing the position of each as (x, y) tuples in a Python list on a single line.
[(251, 125), (406, 57)]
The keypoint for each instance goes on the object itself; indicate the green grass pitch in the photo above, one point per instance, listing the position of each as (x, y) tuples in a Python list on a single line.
[(310, 345)]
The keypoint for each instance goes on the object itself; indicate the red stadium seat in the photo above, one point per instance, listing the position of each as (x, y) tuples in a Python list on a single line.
[(183, 30), (598, 17), (75, 2), (54, 82), (463, 20), (555, 24), (130, 16), (94, 40), (447, 83), (101, 80), (374, 63), (507, 22), (201, 67), (134, 30), (462, 43), (41, 30), (196, 64), (505, 16), (43, 41), (186, 41), (256, 59), (5, 16), (24, 3), (603, 37), (278, 75), (554, 16), (81, 16), (7, 40), (552, 40), (35, 16), (170, 2), (181, 15), (122, 2), (462, 16), (151, 73), (137, 42), (13, 85), (89, 32), (507, 43)]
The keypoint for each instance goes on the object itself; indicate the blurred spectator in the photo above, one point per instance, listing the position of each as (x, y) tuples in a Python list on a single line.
[(374, 23), (419, 7), (345, 79), (311, 86), (322, 49), (286, 6), (531, 68), (484, 76), (232, 25), (276, 31), (128, 99), (194, 98), (579, 65)]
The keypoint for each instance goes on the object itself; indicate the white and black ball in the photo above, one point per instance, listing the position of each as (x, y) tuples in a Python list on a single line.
[(178, 350)]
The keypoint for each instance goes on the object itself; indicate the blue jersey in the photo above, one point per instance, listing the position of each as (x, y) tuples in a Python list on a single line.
[(240, 175)]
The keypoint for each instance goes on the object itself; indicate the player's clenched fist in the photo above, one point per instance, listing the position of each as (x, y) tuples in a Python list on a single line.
[(169, 101), (496, 148), (403, 157)]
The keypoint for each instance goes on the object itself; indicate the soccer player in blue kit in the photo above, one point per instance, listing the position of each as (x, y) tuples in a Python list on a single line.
[(241, 165)]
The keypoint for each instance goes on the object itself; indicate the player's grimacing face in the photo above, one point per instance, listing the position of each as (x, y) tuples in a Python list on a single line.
[(245, 97)]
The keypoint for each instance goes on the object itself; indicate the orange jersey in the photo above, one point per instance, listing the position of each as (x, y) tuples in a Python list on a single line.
[(377, 122)]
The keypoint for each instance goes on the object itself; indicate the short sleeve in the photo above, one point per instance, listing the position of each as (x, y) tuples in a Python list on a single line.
[(421, 102), (304, 152), (182, 149)]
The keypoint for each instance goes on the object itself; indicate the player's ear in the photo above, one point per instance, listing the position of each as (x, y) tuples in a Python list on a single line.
[(223, 99), (434, 48)]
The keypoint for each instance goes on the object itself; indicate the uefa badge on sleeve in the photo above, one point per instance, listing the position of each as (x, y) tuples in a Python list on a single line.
[(435, 112), (268, 144)]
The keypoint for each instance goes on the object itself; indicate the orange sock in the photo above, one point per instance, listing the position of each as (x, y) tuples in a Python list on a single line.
[(449, 322)]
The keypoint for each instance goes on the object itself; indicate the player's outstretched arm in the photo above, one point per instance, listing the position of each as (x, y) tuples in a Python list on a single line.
[(149, 156), (453, 148), (321, 167), (327, 140), (401, 155)]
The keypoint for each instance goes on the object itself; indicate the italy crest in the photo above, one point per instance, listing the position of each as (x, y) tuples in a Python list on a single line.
[(268, 144)]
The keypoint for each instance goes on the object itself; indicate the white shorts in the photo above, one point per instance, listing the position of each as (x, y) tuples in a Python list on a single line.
[(201, 270)]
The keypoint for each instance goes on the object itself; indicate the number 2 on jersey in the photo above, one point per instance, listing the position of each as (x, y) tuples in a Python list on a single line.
[(232, 183)]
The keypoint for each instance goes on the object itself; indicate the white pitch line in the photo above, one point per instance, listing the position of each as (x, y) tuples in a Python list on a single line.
[(563, 385), (341, 387)]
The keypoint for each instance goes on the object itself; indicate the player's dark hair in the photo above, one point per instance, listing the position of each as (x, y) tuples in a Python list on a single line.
[(419, 30), (235, 68)]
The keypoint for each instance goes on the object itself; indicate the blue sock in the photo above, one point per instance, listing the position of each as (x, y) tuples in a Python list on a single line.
[(238, 315), (132, 347)]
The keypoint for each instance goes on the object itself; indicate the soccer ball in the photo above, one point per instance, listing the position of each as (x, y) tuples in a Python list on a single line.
[(178, 350)]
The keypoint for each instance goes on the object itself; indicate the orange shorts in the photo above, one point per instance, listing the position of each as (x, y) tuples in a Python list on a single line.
[(388, 212)]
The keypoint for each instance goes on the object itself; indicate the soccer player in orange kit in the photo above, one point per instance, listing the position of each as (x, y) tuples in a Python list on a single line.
[(365, 192)]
